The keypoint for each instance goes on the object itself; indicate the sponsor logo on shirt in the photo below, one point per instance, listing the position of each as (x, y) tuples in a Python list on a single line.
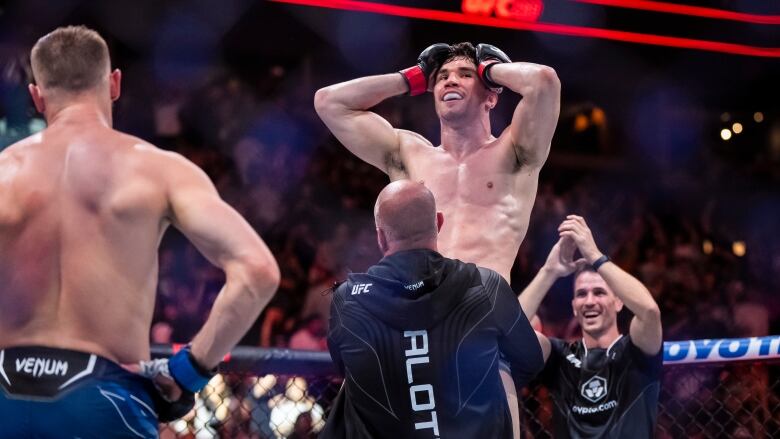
[(37, 367), (574, 360), (421, 395), (594, 389), (414, 286), (609, 405), (360, 288)]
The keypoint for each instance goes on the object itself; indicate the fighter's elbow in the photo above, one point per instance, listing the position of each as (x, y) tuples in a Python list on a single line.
[(262, 277), (539, 81), (547, 78), (324, 101), (651, 313)]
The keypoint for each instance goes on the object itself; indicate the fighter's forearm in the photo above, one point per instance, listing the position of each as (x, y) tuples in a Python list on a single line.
[(534, 293), (631, 292), (247, 291), (359, 94), (526, 78)]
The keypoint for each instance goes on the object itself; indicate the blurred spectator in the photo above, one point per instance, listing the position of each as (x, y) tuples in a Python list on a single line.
[(286, 409), (311, 336)]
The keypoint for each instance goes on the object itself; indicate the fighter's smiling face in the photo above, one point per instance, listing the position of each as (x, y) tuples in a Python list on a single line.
[(595, 305), (459, 92)]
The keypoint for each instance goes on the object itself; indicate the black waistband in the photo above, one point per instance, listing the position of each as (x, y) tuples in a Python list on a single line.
[(46, 372)]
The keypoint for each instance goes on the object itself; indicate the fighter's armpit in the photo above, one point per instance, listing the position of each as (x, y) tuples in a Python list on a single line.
[(396, 168), (395, 165), (406, 135)]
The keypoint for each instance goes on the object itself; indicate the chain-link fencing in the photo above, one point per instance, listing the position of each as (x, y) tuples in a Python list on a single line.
[(271, 394)]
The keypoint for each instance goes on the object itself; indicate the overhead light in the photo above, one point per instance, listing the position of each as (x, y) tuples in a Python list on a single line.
[(725, 134), (707, 247), (758, 116), (581, 123), (738, 247), (597, 116), (737, 127)]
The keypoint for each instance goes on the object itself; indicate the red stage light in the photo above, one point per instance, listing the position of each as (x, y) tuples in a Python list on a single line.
[(552, 28), (695, 11), (523, 10)]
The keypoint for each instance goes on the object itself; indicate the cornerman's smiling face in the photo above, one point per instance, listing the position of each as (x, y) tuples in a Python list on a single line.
[(458, 91), (595, 305)]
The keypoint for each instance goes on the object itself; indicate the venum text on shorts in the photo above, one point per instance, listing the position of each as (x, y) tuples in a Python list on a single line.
[(38, 367)]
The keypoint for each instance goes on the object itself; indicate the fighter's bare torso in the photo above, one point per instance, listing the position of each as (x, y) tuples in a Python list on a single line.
[(486, 196), (82, 211)]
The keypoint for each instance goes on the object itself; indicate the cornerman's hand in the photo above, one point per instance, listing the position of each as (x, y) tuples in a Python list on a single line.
[(560, 262), (575, 228), (418, 77)]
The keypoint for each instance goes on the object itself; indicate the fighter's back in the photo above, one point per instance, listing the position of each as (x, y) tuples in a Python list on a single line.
[(82, 209)]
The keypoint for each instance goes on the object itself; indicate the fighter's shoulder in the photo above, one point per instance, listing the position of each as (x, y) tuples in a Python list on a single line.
[(140, 147), (171, 163), (16, 150)]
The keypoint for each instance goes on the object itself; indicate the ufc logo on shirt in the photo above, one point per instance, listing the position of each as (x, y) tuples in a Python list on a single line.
[(360, 288)]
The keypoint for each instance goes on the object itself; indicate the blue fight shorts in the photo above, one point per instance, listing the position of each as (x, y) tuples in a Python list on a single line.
[(57, 393)]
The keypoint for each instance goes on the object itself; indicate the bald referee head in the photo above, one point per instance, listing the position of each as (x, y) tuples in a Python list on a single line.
[(406, 217)]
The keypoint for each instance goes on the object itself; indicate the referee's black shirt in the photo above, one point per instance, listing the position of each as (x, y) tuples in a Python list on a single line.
[(418, 339)]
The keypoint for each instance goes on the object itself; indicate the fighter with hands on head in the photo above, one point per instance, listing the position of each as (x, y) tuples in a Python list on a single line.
[(83, 208), (484, 185), (605, 385), (481, 182)]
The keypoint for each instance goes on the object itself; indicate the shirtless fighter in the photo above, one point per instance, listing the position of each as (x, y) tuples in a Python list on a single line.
[(82, 210), (484, 185)]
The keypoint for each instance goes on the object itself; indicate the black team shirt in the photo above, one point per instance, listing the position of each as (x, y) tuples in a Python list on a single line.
[(418, 339), (603, 393)]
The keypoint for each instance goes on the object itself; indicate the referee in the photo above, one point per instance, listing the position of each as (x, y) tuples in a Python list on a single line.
[(419, 336), (606, 384)]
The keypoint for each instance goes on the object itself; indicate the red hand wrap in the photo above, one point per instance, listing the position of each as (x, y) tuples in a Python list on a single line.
[(483, 73), (416, 80)]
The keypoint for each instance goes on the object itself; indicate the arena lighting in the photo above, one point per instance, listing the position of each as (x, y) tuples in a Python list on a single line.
[(737, 128), (738, 247), (707, 247), (725, 134), (695, 11), (552, 28), (758, 116)]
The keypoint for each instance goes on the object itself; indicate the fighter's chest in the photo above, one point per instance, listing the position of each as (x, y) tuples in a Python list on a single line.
[(483, 177)]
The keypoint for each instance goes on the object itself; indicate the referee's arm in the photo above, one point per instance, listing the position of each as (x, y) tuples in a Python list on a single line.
[(519, 343), (334, 331)]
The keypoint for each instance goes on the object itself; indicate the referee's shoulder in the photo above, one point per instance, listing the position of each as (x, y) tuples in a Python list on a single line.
[(340, 288), (491, 280)]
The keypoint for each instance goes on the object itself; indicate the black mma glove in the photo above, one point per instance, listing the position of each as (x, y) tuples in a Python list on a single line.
[(428, 62), (487, 55)]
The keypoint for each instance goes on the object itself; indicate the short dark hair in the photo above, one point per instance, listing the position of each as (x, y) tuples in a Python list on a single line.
[(582, 269), (72, 58), (461, 50)]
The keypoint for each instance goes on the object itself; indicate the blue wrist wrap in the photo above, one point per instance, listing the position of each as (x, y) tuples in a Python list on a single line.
[(187, 374)]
